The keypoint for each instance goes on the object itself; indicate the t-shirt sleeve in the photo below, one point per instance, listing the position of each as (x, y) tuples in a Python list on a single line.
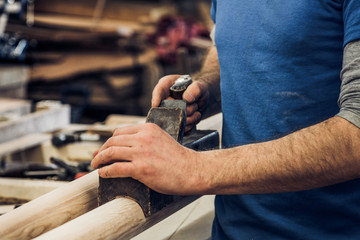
[(349, 98), (351, 18), (213, 11)]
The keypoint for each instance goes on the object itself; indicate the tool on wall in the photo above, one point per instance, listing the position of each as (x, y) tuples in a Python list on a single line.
[(12, 46)]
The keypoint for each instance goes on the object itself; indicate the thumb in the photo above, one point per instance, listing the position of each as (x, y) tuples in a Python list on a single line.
[(162, 89), (193, 92)]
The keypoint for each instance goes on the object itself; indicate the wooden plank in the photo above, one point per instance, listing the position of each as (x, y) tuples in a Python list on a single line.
[(14, 107), (13, 76), (124, 10), (22, 143), (38, 122), (52, 209), (86, 23), (28, 189), (78, 63)]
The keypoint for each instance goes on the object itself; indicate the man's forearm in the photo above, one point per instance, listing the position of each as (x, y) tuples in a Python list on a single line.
[(210, 74), (320, 155)]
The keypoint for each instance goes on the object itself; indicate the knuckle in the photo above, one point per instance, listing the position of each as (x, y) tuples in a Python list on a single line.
[(110, 152), (116, 132), (151, 127), (144, 170)]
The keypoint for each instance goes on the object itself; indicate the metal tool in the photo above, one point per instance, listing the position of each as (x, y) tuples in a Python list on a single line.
[(180, 85), (170, 116), (62, 139), (12, 46)]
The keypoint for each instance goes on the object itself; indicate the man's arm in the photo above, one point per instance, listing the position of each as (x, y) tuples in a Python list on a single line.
[(202, 96), (317, 156), (210, 75), (320, 155)]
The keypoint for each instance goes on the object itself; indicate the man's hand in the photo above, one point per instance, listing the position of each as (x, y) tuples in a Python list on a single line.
[(148, 154), (196, 97)]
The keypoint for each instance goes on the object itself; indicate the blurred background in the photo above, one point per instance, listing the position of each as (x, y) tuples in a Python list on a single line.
[(99, 56)]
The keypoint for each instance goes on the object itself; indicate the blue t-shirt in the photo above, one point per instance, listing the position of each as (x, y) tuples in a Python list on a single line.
[(280, 64)]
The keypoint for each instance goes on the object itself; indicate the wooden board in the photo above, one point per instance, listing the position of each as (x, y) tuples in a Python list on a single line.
[(87, 23), (78, 63), (28, 189), (12, 76), (124, 10), (13, 80), (37, 122), (22, 143), (14, 107)]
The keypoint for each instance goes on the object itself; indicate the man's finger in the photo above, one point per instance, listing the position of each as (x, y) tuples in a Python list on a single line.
[(112, 154), (133, 129), (192, 120), (125, 140), (118, 169), (162, 89), (191, 109)]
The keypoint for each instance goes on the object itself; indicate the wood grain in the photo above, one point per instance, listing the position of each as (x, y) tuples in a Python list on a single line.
[(52, 209), (109, 221), (37, 122)]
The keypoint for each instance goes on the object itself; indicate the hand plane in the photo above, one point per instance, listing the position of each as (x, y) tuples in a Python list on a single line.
[(171, 117)]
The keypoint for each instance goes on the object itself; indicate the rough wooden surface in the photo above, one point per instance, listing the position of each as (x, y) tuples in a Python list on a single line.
[(27, 189), (109, 221), (37, 122), (23, 143), (51, 210), (17, 107), (77, 63), (13, 80)]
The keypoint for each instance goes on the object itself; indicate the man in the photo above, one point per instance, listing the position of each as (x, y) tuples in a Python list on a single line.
[(291, 162)]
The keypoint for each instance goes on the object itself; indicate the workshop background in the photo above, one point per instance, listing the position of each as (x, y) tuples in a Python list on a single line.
[(72, 71), (100, 56)]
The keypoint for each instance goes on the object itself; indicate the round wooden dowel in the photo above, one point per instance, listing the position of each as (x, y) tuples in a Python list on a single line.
[(52, 209), (109, 221)]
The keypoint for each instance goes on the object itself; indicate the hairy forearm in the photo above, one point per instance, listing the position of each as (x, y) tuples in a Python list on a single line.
[(320, 155), (210, 75)]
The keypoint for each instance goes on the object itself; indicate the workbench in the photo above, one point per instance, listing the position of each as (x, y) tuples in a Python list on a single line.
[(78, 198)]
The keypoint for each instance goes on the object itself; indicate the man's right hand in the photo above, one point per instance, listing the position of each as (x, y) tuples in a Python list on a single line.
[(196, 97)]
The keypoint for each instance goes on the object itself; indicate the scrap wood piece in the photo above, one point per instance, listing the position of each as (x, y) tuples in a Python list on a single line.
[(52, 209), (26, 189), (23, 143), (13, 108), (37, 122), (79, 63), (86, 23)]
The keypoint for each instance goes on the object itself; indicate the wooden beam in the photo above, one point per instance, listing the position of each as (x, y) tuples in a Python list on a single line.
[(52, 209), (38, 122), (27, 189), (13, 107), (23, 143)]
